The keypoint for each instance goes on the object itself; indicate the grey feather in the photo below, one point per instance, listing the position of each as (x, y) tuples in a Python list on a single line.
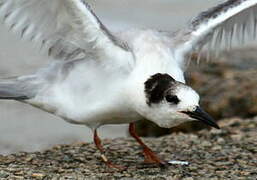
[(18, 88), (225, 26), (63, 24)]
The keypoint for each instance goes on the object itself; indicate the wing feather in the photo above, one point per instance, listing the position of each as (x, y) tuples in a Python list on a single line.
[(219, 28), (66, 28)]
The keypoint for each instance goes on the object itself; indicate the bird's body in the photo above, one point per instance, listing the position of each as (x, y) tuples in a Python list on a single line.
[(98, 77), (87, 92), (96, 97)]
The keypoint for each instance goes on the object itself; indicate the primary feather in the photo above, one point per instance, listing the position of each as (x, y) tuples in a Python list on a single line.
[(228, 24), (67, 28)]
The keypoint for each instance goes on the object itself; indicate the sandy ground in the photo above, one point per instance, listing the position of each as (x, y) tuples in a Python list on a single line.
[(28, 129), (228, 153)]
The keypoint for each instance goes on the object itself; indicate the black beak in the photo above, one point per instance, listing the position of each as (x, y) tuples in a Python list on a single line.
[(202, 116)]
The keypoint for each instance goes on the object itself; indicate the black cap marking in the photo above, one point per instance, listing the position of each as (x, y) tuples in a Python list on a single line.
[(156, 86)]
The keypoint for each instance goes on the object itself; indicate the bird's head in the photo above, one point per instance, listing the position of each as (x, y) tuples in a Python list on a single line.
[(170, 103)]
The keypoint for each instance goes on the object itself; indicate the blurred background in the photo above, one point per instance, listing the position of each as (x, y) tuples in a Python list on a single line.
[(24, 128)]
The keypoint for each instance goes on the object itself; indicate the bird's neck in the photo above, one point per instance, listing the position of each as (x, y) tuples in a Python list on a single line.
[(143, 72), (152, 56), (150, 65), (156, 57)]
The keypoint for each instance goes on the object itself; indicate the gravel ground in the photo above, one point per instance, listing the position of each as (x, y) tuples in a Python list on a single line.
[(229, 153)]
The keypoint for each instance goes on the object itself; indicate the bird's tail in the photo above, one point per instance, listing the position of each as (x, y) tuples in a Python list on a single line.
[(17, 88)]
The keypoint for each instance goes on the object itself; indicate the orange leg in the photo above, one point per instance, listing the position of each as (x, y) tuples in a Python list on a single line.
[(150, 156), (99, 146)]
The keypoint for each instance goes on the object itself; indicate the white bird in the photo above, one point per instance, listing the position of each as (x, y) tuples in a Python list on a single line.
[(99, 77)]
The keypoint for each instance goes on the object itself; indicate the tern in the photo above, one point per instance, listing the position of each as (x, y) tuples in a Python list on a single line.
[(98, 77)]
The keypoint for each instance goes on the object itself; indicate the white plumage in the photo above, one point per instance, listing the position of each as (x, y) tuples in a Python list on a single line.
[(99, 77)]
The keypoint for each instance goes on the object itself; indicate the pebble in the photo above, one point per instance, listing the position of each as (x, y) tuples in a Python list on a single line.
[(38, 175), (206, 144), (3, 174), (211, 158), (188, 178)]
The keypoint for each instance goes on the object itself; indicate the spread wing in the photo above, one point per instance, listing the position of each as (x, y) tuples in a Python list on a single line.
[(228, 24), (67, 28)]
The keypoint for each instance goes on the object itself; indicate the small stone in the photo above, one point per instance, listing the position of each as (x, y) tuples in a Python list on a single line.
[(208, 158), (214, 178), (29, 159), (237, 137), (18, 173), (206, 144), (220, 140), (188, 178), (38, 175), (17, 177), (215, 148), (193, 168), (245, 173), (3, 174)]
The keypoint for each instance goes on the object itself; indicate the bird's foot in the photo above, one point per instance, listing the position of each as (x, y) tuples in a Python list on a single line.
[(152, 158), (109, 164), (99, 146)]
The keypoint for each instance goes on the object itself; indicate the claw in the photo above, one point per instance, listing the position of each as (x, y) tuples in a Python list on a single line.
[(150, 156), (111, 165)]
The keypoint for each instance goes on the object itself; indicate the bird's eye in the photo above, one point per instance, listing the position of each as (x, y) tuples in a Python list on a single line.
[(172, 99)]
